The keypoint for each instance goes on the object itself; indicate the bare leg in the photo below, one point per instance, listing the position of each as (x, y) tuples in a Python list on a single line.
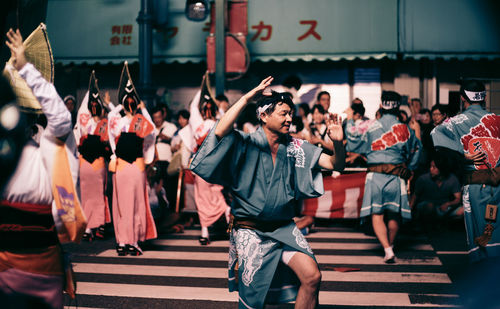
[(380, 230), (393, 226), (309, 275)]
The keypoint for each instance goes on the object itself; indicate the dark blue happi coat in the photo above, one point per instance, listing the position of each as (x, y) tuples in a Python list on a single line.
[(264, 191), (475, 130), (388, 141)]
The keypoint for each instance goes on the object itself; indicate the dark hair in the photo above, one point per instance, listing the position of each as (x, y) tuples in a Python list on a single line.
[(442, 109), (358, 108), (292, 81), (305, 108), (425, 111), (357, 99), (472, 85), (322, 93), (417, 99), (274, 99), (400, 116), (318, 107), (221, 97), (297, 122), (390, 96), (184, 113), (157, 109)]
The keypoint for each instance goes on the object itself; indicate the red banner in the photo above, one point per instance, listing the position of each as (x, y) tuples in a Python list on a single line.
[(342, 199)]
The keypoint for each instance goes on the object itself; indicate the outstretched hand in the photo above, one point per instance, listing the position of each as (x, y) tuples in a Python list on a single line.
[(266, 82), (15, 44), (334, 127)]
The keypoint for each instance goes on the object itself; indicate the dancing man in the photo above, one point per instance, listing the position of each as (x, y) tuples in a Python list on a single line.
[(267, 171)]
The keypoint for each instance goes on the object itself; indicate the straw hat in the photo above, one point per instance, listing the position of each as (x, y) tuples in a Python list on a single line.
[(38, 53)]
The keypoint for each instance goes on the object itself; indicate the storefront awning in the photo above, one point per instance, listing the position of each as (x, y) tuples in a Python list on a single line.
[(106, 31)]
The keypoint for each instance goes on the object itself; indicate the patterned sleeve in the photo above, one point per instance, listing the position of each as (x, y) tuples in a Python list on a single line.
[(444, 136), (217, 159), (307, 173)]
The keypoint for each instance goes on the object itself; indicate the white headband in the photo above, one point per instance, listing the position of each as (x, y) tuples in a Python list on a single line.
[(475, 96), (262, 109), (390, 104)]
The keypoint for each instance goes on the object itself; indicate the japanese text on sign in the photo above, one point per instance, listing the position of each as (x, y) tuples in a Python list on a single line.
[(121, 35)]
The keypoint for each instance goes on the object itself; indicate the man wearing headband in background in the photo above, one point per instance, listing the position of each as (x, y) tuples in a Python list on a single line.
[(392, 152), (473, 138), (267, 172)]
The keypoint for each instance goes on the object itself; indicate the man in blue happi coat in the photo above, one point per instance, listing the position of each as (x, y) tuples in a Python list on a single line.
[(392, 152), (267, 171), (473, 139)]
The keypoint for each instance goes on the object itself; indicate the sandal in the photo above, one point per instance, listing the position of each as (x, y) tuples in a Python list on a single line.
[(203, 241), (99, 233), (134, 251), (88, 237), (121, 250)]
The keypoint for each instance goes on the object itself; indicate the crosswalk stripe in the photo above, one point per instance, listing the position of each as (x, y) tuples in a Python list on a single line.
[(222, 294), (205, 272), (322, 259), (314, 245)]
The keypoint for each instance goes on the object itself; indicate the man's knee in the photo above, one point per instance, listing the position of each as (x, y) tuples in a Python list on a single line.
[(312, 278)]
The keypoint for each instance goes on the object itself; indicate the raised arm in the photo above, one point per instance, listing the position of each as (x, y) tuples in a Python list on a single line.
[(227, 121), (58, 117), (337, 160)]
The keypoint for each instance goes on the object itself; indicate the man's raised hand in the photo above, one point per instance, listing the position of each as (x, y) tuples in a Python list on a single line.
[(266, 82)]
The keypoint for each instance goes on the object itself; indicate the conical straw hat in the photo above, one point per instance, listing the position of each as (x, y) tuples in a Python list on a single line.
[(38, 53)]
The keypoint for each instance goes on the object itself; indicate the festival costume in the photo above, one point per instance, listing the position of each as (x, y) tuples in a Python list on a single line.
[(30, 256), (210, 202), (467, 133), (263, 207), (354, 130), (39, 207), (132, 142), (93, 146), (388, 141)]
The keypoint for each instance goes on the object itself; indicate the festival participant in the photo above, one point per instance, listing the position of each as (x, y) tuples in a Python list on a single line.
[(31, 260), (91, 134), (132, 140), (210, 201), (392, 152), (267, 171), (474, 136), (356, 125)]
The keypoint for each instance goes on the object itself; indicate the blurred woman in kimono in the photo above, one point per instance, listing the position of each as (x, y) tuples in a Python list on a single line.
[(210, 201), (91, 134), (267, 171), (392, 153), (132, 140)]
